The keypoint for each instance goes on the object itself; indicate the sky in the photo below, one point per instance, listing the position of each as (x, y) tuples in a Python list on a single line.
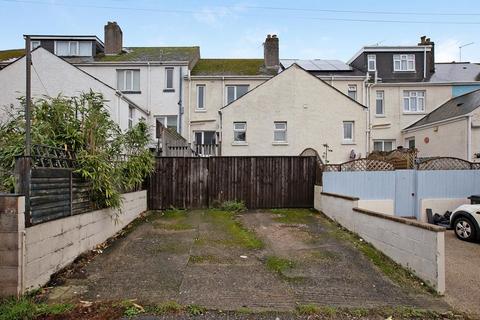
[(236, 29)]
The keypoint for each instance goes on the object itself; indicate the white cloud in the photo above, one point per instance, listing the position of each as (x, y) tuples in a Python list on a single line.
[(215, 16)]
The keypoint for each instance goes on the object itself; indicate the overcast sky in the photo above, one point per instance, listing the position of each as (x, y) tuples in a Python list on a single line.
[(228, 28)]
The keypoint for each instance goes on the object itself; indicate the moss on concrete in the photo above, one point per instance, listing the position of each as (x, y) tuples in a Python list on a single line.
[(11, 54), (245, 67)]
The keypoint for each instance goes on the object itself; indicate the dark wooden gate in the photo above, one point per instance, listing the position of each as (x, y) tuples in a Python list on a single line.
[(262, 182)]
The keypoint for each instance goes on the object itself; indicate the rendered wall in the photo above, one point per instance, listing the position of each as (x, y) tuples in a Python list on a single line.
[(417, 246)]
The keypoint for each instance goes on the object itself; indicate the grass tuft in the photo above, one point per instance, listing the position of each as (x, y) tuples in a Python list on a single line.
[(233, 206), (26, 308), (195, 310), (167, 307), (279, 265), (293, 216)]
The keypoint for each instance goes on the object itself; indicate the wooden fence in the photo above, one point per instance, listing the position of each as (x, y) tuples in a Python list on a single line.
[(262, 182)]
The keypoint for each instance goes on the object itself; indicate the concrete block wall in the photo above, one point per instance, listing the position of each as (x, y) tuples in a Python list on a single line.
[(415, 245), (12, 231), (50, 246)]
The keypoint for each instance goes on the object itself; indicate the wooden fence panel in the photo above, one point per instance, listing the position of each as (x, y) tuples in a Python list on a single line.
[(262, 182)]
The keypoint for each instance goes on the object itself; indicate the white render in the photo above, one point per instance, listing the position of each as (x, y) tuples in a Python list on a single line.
[(313, 110), (53, 76), (152, 95), (456, 137)]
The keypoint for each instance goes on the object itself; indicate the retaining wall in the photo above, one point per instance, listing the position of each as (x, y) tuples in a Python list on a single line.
[(417, 246), (48, 247)]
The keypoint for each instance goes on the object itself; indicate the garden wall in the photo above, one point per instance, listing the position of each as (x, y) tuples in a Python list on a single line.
[(50, 246), (417, 246)]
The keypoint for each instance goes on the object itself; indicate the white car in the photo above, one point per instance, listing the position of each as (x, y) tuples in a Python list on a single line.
[(465, 221)]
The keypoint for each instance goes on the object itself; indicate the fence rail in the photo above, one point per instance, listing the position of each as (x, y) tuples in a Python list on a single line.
[(262, 182)]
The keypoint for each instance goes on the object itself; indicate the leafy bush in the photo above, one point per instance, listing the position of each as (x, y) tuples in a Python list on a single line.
[(83, 125), (234, 206)]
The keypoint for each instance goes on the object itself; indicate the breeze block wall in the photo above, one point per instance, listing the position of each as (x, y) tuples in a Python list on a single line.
[(48, 247)]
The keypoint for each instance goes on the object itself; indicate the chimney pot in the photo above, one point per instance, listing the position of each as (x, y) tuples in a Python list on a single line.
[(113, 38)]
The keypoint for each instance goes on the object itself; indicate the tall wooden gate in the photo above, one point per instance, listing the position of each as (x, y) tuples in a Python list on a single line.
[(262, 182)]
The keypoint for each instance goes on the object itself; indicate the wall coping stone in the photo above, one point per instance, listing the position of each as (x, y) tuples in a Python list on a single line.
[(414, 223), (336, 195)]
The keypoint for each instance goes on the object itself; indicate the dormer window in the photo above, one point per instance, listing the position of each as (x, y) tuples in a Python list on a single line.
[(403, 62), (35, 44), (73, 48), (372, 62)]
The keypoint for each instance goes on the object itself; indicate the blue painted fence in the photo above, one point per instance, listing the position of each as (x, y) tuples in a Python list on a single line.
[(406, 187)]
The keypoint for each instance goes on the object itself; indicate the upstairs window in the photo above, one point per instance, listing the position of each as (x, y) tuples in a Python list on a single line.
[(235, 92), (128, 80), (201, 97), (403, 62), (348, 131), (413, 101), (352, 91), (379, 103), (372, 62), (280, 131), (73, 48), (35, 44), (169, 78), (239, 131)]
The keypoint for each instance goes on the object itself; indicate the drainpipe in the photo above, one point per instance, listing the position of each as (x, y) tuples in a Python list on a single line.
[(149, 93), (180, 103), (469, 138), (424, 62), (366, 100)]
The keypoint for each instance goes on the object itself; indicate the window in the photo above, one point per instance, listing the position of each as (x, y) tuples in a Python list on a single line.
[(73, 48), (352, 91), (403, 62), (35, 44), (372, 62), (169, 78), (379, 103), (205, 137), (410, 142), (128, 80), (168, 121), (239, 131), (201, 97), (131, 116), (235, 92), (280, 131), (348, 131), (414, 101), (383, 145)]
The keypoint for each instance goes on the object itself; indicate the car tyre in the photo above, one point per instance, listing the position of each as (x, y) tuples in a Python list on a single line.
[(465, 229)]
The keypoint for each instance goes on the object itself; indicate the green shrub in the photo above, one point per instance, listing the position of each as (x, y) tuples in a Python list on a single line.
[(233, 206)]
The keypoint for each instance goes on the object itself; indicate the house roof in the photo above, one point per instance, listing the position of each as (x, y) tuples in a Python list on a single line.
[(231, 67), (317, 64), (286, 70), (456, 72), (153, 54), (455, 107), (10, 55)]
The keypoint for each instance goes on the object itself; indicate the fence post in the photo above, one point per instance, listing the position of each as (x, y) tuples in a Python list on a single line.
[(23, 173)]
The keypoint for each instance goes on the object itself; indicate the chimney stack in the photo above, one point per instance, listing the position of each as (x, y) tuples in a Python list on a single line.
[(271, 52), (113, 38), (424, 41)]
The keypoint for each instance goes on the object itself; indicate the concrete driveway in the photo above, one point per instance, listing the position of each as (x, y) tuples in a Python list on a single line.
[(462, 267), (260, 260)]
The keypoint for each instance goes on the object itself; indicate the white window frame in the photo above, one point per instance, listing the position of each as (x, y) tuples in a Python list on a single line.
[(203, 108), (276, 129), (419, 96), (131, 116), (348, 139), (167, 70), (234, 86), (407, 142), (235, 129), (165, 120), (124, 87), (382, 141), (382, 93), (408, 58), (35, 44), (372, 58), (70, 43), (352, 88)]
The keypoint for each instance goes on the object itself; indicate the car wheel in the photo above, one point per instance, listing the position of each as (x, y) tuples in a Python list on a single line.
[(465, 229)]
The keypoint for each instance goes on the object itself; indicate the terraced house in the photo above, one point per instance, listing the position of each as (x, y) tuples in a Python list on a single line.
[(151, 77)]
